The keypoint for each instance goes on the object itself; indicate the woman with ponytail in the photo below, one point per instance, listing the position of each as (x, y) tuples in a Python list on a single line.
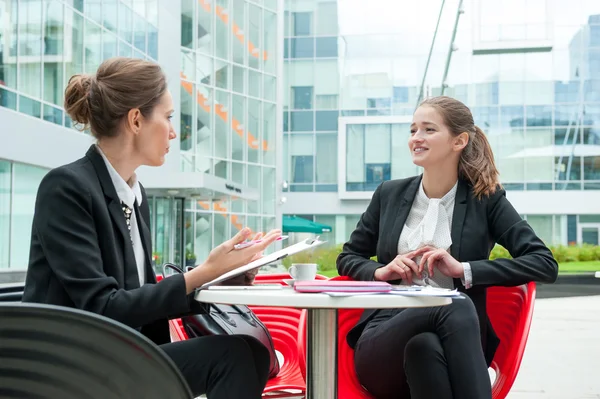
[(438, 229)]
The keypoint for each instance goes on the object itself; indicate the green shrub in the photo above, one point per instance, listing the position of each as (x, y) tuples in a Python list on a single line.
[(587, 253), (325, 258), (499, 252)]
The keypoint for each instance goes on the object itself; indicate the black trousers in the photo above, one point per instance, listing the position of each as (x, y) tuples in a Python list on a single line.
[(223, 366), (424, 353)]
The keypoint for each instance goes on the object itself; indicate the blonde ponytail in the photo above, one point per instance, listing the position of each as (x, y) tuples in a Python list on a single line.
[(477, 164)]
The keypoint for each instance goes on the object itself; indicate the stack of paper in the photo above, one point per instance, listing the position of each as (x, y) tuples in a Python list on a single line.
[(342, 286), (416, 290)]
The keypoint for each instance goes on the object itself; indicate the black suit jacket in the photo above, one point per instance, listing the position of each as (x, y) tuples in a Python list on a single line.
[(81, 254), (476, 226)]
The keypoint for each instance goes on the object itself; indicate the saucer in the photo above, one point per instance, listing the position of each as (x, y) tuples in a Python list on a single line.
[(289, 281)]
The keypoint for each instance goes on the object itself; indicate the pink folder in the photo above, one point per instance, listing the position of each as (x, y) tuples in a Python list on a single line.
[(342, 286)]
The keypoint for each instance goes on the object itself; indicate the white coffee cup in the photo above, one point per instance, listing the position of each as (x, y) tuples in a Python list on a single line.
[(303, 271)]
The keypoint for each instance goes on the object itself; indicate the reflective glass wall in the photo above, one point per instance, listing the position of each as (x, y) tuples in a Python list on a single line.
[(531, 77), (18, 189), (44, 42), (228, 113)]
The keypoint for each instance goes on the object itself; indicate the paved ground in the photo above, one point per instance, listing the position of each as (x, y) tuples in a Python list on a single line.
[(562, 358)]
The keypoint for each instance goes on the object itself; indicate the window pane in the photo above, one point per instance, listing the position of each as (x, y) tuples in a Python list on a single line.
[(302, 97), (5, 191), (93, 47), (301, 149), (30, 106), (30, 48), (302, 48), (269, 133), (126, 23), (327, 17), (52, 114), (139, 33), (109, 13), (254, 36), (302, 121), (326, 121), (223, 32), (254, 130), (187, 23), (268, 191), (327, 47), (26, 181), (8, 99), (8, 37), (302, 23), (355, 154), (270, 41), (153, 41), (402, 165), (238, 135), (326, 161)]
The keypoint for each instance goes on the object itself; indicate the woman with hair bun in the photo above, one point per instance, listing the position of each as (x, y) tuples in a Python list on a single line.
[(91, 244)]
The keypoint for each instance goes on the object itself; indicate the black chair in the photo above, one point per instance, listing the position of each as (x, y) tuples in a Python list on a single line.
[(12, 292), (57, 352)]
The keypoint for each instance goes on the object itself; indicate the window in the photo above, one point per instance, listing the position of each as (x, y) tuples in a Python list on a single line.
[(302, 158), (302, 121), (26, 181), (400, 94), (378, 102), (326, 120), (376, 173), (301, 47), (302, 23), (302, 97), (326, 101), (327, 47), (327, 18), (326, 161), (5, 190), (302, 168)]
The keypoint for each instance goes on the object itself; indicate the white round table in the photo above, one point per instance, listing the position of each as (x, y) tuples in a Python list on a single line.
[(321, 352)]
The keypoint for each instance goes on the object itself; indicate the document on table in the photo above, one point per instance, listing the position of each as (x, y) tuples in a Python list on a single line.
[(423, 291), (405, 290), (309, 243)]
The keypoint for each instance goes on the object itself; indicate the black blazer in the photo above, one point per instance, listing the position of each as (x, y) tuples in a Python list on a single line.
[(476, 226), (81, 254)]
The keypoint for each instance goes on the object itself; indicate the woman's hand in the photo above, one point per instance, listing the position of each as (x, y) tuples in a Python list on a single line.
[(402, 267), (441, 260), (248, 277), (225, 257)]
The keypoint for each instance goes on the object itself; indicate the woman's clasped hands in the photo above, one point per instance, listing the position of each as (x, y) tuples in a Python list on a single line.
[(407, 266)]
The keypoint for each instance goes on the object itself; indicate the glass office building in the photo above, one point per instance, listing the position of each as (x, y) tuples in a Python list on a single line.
[(223, 61), (528, 69)]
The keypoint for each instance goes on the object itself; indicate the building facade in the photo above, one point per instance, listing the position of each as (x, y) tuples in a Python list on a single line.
[(223, 62), (528, 69)]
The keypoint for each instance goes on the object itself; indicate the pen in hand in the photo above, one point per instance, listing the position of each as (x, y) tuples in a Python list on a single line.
[(249, 243)]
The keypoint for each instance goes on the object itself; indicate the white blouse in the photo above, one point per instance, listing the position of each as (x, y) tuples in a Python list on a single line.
[(429, 223), (129, 193)]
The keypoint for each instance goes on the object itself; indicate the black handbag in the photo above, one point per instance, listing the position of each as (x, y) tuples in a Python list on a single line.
[(219, 319)]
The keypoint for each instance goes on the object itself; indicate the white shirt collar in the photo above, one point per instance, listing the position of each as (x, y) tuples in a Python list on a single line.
[(450, 195), (127, 193)]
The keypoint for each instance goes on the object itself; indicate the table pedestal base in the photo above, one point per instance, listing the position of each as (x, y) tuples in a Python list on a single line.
[(321, 354)]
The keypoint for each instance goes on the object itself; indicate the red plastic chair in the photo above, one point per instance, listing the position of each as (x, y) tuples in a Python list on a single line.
[(510, 310)]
